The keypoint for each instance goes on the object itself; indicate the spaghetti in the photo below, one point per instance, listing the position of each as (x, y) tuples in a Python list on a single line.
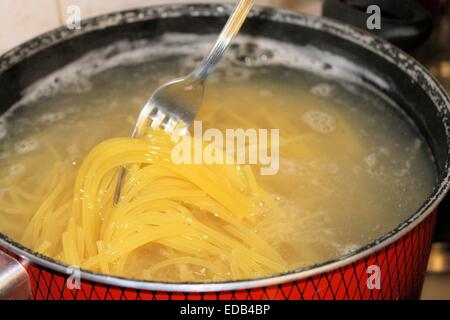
[(199, 221)]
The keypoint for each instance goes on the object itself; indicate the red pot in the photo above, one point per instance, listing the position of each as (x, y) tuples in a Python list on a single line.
[(392, 267)]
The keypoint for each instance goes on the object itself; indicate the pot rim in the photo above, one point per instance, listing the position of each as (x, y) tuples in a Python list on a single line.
[(362, 38)]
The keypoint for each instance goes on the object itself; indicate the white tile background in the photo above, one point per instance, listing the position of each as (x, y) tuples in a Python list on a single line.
[(21, 20)]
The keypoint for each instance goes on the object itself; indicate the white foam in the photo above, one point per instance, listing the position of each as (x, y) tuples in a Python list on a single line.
[(51, 117), (371, 160), (320, 121), (322, 90), (75, 76), (26, 145)]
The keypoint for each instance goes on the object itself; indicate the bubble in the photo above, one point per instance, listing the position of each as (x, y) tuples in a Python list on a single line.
[(220, 9), (245, 59), (16, 169), (322, 90), (26, 145), (371, 160), (320, 121), (252, 55), (51, 117), (266, 55)]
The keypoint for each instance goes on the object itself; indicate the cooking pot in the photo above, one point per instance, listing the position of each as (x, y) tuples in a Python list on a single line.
[(391, 267)]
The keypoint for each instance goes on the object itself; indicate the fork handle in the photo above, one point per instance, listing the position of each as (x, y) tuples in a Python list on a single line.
[(230, 30)]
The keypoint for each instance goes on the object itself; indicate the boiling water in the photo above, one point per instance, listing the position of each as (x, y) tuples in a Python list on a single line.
[(351, 167)]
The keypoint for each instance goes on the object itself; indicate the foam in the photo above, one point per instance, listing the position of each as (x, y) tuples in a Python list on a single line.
[(246, 54), (26, 145), (371, 160), (320, 121), (75, 77), (51, 117), (322, 90)]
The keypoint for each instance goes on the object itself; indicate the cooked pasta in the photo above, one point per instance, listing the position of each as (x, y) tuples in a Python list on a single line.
[(203, 216)]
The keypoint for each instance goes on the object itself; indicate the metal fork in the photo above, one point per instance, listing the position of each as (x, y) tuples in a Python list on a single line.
[(174, 105)]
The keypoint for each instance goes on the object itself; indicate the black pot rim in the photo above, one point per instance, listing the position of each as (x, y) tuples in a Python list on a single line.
[(405, 63)]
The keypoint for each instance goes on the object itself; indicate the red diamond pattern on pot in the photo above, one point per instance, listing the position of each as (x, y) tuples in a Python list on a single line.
[(402, 264)]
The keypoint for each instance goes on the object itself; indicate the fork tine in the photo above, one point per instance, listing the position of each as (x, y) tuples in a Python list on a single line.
[(157, 120), (170, 125), (160, 119), (120, 177), (142, 122)]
